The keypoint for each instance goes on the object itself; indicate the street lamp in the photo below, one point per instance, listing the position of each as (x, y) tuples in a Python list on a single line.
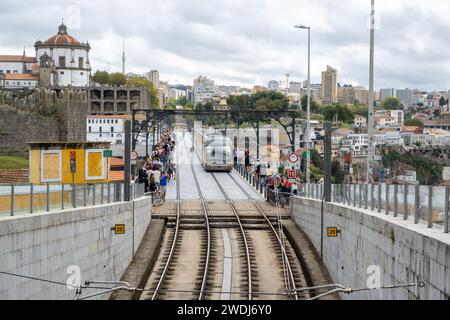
[(370, 157), (308, 110)]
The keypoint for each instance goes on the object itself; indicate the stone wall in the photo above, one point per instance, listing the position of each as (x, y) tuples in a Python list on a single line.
[(41, 115), (45, 245), (403, 252), (18, 127)]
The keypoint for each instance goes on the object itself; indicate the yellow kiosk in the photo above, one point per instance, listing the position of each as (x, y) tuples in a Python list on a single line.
[(68, 163)]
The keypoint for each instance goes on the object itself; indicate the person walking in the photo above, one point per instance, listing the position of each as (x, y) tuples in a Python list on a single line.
[(247, 160), (163, 185), (157, 175)]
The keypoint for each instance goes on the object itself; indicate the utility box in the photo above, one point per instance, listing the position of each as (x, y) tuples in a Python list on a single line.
[(67, 163)]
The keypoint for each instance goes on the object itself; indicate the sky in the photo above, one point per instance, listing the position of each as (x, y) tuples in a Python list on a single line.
[(247, 42)]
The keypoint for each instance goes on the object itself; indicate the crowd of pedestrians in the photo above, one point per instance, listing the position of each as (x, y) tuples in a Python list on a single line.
[(159, 167)]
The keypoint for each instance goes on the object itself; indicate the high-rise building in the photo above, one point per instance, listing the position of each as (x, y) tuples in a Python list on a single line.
[(329, 86), (274, 85), (153, 77), (404, 95), (387, 93), (295, 87), (204, 89)]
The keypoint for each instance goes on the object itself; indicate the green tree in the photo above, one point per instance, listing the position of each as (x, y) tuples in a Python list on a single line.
[(101, 77), (442, 102), (117, 79), (314, 106), (391, 103), (414, 123), (337, 172), (182, 101), (437, 113), (343, 114), (171, 104), (142, 82)]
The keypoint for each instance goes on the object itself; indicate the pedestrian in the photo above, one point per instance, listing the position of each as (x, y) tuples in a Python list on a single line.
[(247, 160), (263, 173), (163, 185), (157, 175)]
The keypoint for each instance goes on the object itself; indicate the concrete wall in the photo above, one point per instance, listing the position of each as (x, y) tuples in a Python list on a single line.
[(44, 245), (404, 252)]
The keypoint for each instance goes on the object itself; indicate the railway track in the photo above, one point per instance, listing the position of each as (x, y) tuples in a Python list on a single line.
[(190, 266), (287, 255)]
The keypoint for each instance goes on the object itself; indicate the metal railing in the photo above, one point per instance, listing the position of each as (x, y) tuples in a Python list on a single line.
[(20, 199), (421, 204)]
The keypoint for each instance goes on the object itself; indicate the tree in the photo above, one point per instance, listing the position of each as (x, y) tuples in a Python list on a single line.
[(171, 104), (101, 77), (391, 103), (314, 106), (142, 82), (437, 113), (117, 79), (337, 172), (342, 112), (414, 123), (442, 102), (183, 101)]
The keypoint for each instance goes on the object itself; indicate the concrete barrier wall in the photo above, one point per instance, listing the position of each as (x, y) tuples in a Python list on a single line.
[(45, 245), (402, 251)]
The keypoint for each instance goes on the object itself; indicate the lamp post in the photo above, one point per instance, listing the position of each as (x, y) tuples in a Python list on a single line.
[(370, 157), (308, 110)]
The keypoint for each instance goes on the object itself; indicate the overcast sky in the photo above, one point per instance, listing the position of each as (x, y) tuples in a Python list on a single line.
[(246, 42)]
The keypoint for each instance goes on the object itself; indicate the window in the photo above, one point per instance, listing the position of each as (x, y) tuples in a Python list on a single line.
[(90, 129), (112, 129), (62, 72), (112, 135), (62, 62), (82, 73), (101, 129), (16, 72), (80, 63), (8, 71)]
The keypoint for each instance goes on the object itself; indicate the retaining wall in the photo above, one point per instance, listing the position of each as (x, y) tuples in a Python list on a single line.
[(404, 252), (45, 245)]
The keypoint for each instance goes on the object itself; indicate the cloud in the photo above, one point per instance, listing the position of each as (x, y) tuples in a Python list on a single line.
[(248, 42)]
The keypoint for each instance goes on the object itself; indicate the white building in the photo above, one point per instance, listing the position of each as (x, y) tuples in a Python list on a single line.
[(20, 80), (295, 87), (360, 122), (16, 64), (204, 89), (65, 59), (153, 77)]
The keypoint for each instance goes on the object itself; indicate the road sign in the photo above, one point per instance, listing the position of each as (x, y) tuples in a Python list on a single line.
[(332, 232), (292, 174), (119, 229), (107, 153), (293, 158)]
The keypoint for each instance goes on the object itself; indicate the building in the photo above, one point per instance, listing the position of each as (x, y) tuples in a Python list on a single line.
[(163, 93), (404, 95), (20, 80), (389, 118), (11, 64), (204, 89), (361, 95), (63, 60), (329, 86), (258, 89), (296, 87), (101, 128), (274, 85), (387, 93), (153, 77), (360, 122), (117, 100)]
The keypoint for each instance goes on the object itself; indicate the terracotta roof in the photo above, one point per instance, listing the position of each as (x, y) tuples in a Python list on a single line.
[(62, 39), (21, 76), (12, 58), (409, 128)]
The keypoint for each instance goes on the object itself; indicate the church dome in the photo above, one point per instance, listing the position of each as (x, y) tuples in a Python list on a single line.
[(62, 37)]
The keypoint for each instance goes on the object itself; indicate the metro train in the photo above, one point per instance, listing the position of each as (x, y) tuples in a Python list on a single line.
[(214, 151)]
